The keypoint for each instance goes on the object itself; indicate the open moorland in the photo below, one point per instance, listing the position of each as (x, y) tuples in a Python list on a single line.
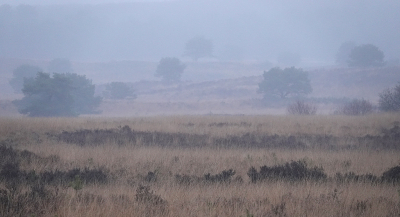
[(201, 166), (209, 87)]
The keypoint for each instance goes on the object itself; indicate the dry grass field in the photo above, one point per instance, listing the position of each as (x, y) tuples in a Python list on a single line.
[(201, 166)]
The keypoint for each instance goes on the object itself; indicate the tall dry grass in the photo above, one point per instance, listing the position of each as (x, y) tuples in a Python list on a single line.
[(336, 125), (128, 165)]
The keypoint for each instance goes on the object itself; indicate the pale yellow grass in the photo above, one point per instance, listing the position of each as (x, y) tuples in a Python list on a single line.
[(307, 199), (129, 164), (282, 125), (202, 161)]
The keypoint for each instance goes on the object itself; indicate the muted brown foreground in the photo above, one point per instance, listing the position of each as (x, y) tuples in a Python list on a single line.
[(201, 166)]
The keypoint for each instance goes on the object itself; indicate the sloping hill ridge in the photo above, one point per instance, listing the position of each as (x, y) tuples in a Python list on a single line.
[(239, 88), (336, 83), (239, 95)]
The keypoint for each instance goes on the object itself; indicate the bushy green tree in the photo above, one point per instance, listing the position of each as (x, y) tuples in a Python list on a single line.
[(21, 72), (170, 69), (389, 99), (119, 90), (289, 82), (366, 55), (46, 96), (83, 94), (61, 95), (198, 47)]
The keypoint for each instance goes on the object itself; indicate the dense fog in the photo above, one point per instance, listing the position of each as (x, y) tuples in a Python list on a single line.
[(240, 30)]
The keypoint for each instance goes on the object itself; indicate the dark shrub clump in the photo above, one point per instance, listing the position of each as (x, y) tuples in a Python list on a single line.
[(293, 171), (356, 107), (222, 177), (352, 177), (302, 108), (392, 174)]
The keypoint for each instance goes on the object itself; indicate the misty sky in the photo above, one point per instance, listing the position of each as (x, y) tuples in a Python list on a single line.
[(64, 2), (240, 30)]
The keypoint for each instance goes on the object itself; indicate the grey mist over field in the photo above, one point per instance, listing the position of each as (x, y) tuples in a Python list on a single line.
[(124, 41), (239, 30)]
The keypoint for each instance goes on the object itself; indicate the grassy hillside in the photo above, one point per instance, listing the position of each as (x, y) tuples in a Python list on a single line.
[(212, 87)]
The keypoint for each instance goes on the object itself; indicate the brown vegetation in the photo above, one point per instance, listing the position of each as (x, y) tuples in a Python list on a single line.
[(201, 166), (301, 108)]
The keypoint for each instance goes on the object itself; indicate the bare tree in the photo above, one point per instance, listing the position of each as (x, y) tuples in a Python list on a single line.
[(302, 108), (356, 107), (389, 99)]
